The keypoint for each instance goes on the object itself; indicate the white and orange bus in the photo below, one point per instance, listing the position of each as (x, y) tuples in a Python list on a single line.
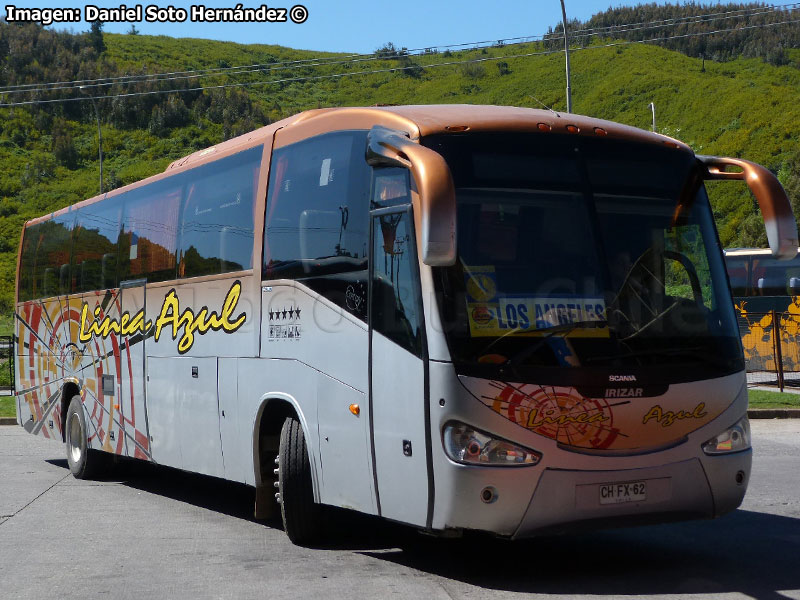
[(454, 317)]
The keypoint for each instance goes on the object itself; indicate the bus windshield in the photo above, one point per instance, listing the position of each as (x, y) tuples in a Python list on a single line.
[(580, 252)]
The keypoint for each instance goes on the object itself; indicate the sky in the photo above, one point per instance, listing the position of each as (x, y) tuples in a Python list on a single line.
[(356, 26)]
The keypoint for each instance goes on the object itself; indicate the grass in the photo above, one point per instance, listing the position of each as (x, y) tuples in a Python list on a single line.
[(764, 399), (8, 406), (6, 376), (7, 324)]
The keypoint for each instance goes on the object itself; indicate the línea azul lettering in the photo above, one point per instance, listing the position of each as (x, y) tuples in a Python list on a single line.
[(184, 323)]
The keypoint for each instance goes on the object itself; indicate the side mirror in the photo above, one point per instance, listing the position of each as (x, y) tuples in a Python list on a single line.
[(772, 200), (390, 148)]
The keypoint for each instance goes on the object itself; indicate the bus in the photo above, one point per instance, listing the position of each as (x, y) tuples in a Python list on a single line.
[(761, 283), (452, 317), (766, 300)]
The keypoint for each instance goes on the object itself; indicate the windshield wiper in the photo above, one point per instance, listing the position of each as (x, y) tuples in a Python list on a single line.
[(564, 329)]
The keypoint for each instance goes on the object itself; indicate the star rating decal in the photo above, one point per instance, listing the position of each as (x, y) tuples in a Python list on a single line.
[(284, 315)]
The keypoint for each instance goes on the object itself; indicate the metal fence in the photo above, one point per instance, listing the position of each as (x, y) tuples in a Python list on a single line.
[(6, 364), (771, 344)]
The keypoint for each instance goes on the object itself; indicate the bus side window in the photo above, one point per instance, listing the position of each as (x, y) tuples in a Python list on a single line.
[(737, 273), (30, 242), (147, 245), (52, 252), (317, 221), (390, 187), (395, 294), (217, 217), (96, 237)]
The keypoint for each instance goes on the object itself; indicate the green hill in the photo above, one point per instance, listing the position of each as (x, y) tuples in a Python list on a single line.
[(743, 107)]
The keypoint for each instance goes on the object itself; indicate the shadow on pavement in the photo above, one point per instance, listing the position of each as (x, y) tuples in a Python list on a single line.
[(347, 530), (752, 553)]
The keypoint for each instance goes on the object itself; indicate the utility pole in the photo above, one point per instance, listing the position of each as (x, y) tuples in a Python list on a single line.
[(652, 107), (83, 89), (566, 54)]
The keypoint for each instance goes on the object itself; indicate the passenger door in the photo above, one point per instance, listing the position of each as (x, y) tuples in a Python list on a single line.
[(317, 233), (398, 383)]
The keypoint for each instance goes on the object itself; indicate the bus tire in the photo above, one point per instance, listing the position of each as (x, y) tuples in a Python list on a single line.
[(84, 463), (302, 517)]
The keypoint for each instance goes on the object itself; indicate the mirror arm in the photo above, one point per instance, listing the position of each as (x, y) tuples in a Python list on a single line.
[(772, 200), (391, 148)]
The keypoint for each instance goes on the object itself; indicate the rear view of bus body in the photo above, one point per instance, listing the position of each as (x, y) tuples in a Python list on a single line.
[(454, 317)]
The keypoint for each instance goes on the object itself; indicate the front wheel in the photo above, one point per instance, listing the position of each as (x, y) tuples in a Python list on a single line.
[(302, 517), (84, 463)]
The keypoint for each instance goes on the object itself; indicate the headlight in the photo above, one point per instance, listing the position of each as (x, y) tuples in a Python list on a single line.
[(733, 439), (469, 446)]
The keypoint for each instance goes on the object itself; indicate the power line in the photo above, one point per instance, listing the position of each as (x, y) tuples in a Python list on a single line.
[(391, 69), (353, 58)]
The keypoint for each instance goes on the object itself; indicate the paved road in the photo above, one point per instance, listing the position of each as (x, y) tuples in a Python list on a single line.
[(159, 533)]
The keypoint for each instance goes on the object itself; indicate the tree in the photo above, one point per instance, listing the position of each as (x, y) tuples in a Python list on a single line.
[(387, 51), (63, 147), (789, 176), (96, 37), (133, 30)]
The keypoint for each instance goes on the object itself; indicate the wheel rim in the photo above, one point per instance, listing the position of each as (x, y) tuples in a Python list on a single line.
[(74, 437)]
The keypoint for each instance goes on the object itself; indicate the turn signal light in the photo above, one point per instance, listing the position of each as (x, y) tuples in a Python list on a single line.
[(573, 129), (355, 409), (544, 127), (600, 131)]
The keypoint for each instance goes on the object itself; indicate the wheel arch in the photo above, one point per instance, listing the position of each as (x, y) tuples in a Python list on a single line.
[(273, 410), (68, 390)]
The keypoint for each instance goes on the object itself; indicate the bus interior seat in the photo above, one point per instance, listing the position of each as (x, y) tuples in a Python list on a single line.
[(49, 282), (63, 279), (227, 250), (90, 275), (761, 286), (225, 246), (794, 286), (319, 233), (109, 270)]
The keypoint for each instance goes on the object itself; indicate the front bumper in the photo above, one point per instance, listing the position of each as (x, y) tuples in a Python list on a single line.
[(566, 500), (570, 500)]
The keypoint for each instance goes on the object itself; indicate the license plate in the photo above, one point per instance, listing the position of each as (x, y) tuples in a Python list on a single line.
[(615, 493)]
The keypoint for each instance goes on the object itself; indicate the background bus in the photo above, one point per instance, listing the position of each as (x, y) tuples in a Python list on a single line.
[(761, 281), (765, 294), (454, 317)]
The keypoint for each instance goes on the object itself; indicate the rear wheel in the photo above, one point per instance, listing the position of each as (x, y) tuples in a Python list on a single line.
[(302, 517), (84, 463)]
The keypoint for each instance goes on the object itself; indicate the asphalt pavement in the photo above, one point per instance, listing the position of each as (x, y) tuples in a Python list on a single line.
[(153, 532)]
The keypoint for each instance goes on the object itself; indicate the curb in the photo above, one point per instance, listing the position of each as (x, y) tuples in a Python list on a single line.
[(8, 421), (773, 413)]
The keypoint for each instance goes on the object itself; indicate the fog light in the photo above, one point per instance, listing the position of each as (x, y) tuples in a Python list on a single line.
[(488, 494)]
